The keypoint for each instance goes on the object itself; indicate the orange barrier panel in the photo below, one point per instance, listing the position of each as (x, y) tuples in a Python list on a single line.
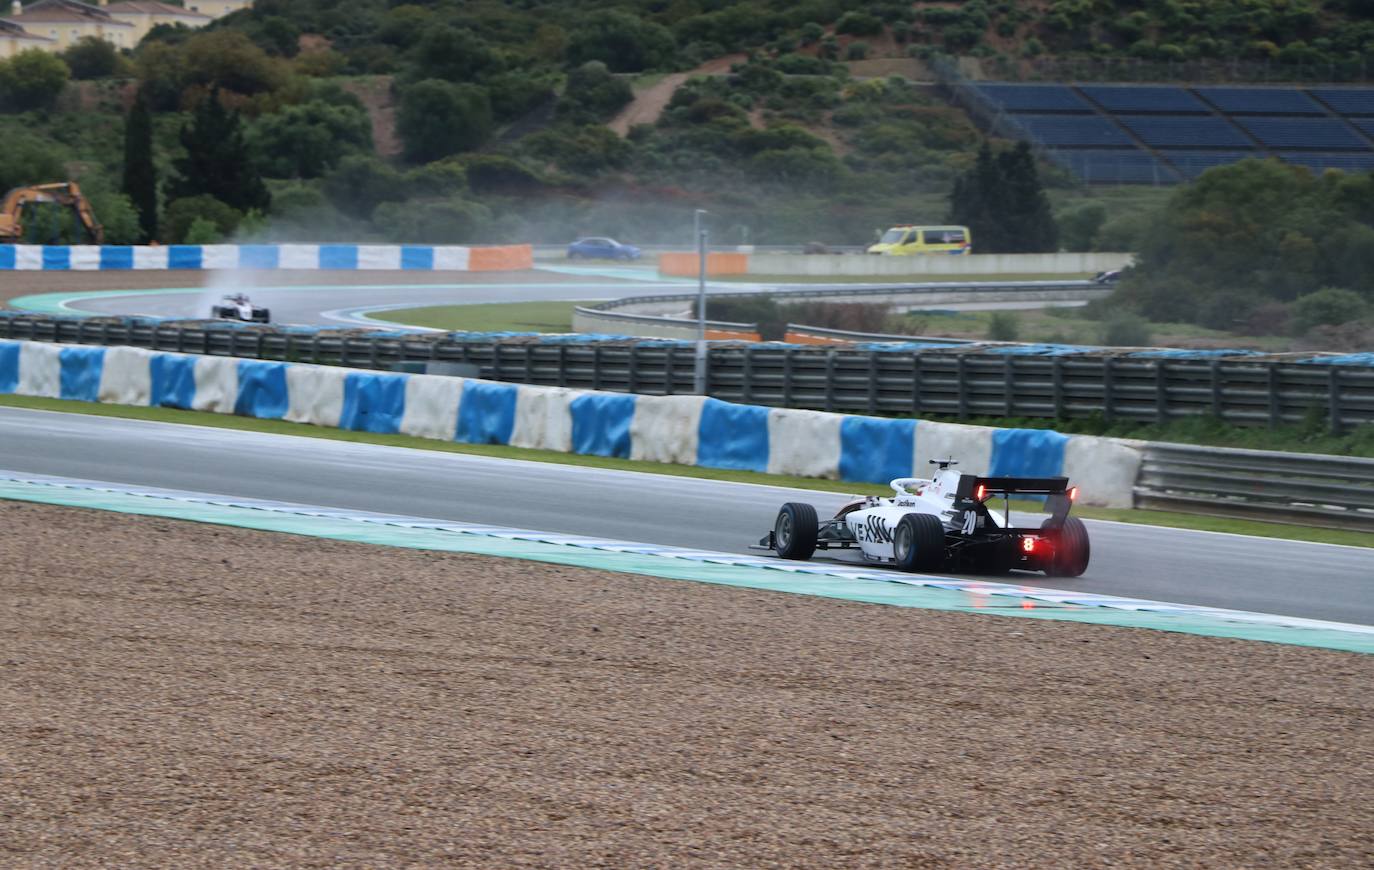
[(685, 265), (731, 335), (501, 258), (804, 338)]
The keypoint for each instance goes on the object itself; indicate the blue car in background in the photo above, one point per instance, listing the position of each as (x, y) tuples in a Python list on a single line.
[(601, 248)]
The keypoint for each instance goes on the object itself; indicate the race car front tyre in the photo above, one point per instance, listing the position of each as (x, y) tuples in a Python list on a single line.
[(264, 315), (795, 531), (1071, 550), (918, 543)]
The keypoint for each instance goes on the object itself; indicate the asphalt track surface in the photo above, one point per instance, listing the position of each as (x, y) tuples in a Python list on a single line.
[(347, 298), (1258, 574), (330, 304)]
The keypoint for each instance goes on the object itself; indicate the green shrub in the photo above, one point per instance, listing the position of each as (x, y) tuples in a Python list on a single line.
[(1125, 329), (32, 79), (1329, 306), (183, 214), (307, 140), (593, 94), (856, 51), (91, 58), (202, 231), (858, 24), (622, 41), (1079, 227), (438, 118), (361, 183), (1004, 326)]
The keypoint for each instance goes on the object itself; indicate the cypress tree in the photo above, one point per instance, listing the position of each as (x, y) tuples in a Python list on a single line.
[(217, 161), (1003, 203), (1027, 219), (974, 202), (140, 176)]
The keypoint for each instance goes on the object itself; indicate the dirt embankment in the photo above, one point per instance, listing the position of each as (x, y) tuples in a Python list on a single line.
[(185, 695)]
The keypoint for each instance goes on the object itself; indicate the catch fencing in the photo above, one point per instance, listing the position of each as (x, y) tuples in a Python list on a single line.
[(883, 379)]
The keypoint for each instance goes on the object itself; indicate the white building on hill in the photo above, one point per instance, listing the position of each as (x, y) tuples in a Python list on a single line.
[(14, 39), (56, 25)]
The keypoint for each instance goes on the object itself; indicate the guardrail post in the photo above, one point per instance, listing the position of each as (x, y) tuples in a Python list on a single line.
[(1218, 410), (1057, 386), (596, 366), (1275, 406), (915, 383), (1108, 396), (529, 367), (787, 377), (872, 382), (1333, 379), (1161, 392), (562, 365), (747, 385), (829, 381), (1008, 385), (962, 378)]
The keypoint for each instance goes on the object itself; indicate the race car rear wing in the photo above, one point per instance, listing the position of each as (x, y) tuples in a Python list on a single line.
[(1059, 496), (969, 483)]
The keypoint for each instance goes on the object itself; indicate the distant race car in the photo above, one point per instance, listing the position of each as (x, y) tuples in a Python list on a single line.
[(239, 307), (944, 524), (1107, 277), (601, 248)]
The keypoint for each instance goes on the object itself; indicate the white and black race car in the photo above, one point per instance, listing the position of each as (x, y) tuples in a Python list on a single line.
[(239, 307), (944, 524)]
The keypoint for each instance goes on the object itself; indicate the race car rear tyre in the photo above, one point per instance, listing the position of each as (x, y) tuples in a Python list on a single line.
[(918, 543), (1071, 550), (795, 531)]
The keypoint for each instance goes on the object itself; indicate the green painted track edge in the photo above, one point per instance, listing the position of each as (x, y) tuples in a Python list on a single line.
[(872, 592)]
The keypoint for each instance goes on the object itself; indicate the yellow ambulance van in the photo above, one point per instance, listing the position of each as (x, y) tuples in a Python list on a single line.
[(904, 240)]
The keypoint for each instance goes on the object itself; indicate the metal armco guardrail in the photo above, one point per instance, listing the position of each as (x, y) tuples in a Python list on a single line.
[(946, 381), (1333, 491), (651, 316)]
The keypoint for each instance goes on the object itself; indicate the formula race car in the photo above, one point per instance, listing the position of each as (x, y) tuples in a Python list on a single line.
[(944, 524), (238, 307)]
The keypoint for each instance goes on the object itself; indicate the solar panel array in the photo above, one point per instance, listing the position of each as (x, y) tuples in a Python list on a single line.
[(1162, 134)]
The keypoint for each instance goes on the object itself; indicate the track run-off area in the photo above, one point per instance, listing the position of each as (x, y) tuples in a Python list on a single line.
[(232, 648), (1285, 578)]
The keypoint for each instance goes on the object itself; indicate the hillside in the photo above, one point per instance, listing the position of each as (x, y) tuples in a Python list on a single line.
[(488, 121)]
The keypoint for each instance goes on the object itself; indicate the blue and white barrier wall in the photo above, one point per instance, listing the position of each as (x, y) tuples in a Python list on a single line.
[(688, 430), (421, 258)]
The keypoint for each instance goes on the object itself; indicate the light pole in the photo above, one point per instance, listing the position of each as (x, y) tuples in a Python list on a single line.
[(699, 371)]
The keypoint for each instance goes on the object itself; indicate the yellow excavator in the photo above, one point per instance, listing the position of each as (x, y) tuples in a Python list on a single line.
[(65, 194)]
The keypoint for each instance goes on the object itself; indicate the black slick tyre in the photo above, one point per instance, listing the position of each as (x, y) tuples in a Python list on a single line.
[(1071, 550), (918, 543), (795, 531)]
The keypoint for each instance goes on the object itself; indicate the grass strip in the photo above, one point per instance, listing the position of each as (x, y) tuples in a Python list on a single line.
[(552, 316), (897, 279), (281, 427)]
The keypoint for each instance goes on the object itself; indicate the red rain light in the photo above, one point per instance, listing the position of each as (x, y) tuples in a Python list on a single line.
[(1028, 544), (981, 493), (1073, 493)]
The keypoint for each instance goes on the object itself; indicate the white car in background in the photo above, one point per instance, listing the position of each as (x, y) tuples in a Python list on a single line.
[(240, 307)]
